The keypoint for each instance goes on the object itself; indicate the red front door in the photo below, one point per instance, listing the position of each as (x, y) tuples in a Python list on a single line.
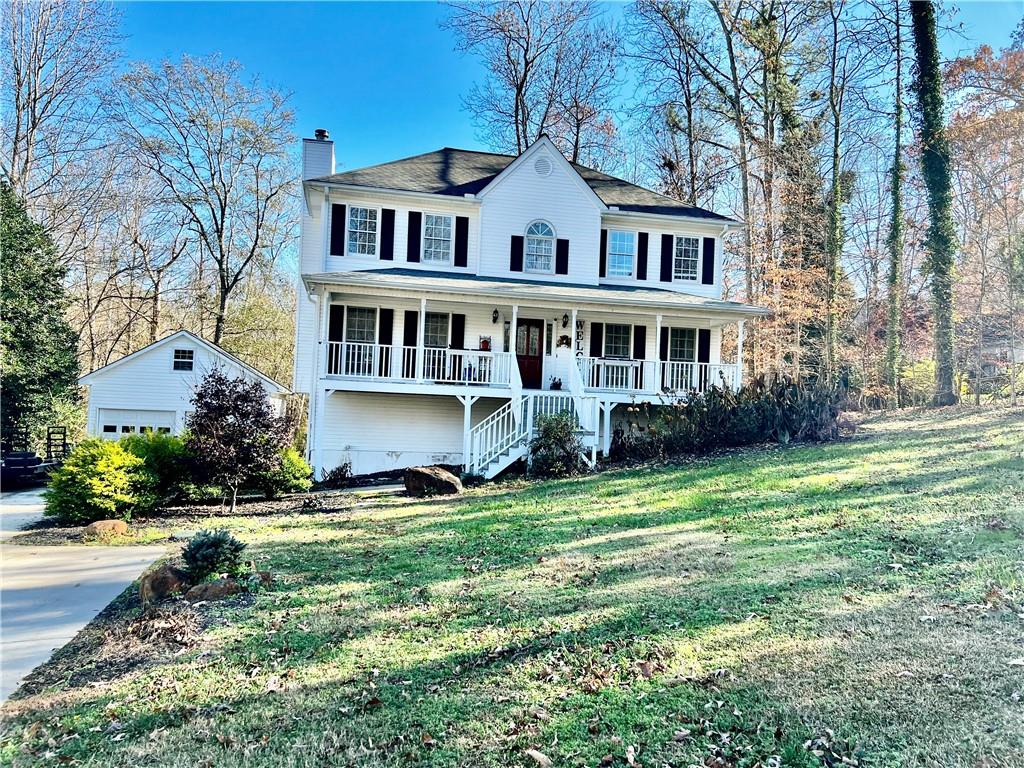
[(529, 353)]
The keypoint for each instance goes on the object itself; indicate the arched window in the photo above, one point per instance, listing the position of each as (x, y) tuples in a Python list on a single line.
[(540, 247)]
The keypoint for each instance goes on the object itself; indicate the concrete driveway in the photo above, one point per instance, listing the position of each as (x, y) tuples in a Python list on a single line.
[(47, 594)]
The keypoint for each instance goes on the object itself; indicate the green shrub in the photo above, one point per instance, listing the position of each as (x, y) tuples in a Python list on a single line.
[(166, 460), (764, 410), (292, 475), (100, 480), (210, 552), (556, 449)]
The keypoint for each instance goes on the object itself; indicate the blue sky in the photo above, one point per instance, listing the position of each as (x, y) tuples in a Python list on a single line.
[(382, 77)]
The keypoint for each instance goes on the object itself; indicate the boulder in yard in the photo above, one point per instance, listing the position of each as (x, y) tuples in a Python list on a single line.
[(427, 481), (162, 582), (213, 590), (106, 528)]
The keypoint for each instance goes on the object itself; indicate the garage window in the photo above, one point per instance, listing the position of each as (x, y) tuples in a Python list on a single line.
[(183, 359), (110, 428), (127, 428)]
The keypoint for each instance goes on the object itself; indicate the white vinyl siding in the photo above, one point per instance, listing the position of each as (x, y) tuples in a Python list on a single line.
[(621, 253)]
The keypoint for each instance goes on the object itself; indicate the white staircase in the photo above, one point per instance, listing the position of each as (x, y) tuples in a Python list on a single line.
[(504, 437)]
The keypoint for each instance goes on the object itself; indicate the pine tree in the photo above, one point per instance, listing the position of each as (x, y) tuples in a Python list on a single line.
[(39, 360), (935, 166)]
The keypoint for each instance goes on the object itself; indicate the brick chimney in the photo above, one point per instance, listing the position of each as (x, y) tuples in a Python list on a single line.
[(317, 155)]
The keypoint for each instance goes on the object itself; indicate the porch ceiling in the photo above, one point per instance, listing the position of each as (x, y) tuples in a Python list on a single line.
[(473, 288)]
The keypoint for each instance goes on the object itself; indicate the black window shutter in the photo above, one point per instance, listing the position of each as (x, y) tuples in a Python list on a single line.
[(387, 234), (707, 269), (458, 332), (410, 337), (641, 256), (515, 259), (596, 339), (639, 342), (337, 229), (336, 323), (703, 345), (386, 328), (663, 344), (604, 254), (666, 258), (461, 241), (562, 257), (412, 242)]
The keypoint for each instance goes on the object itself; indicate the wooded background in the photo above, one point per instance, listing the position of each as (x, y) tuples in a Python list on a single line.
[(882, 188)]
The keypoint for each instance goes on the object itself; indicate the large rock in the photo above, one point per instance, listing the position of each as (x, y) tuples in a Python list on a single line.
[(162, 582), (427, 481), (213, 590), (106, 528)]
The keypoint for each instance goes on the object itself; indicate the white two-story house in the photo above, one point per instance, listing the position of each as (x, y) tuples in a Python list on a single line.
[(448, 299)]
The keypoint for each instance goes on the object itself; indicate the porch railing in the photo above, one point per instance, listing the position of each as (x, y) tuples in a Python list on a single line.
[(654, 376), (357, 360)]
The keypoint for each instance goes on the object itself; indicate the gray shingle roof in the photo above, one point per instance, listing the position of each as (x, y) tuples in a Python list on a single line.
[(458, 172)]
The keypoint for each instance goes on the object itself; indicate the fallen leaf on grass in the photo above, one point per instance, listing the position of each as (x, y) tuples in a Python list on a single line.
[(540, 758), (428, 740), (1016, 662)]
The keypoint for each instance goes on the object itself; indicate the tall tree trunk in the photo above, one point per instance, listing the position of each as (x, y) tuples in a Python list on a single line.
[(894, 281), (835, 217), (941, 241), (222, 310)]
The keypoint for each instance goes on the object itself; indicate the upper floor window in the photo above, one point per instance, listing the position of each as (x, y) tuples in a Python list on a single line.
[(682, 345), (621, 250), (687, 260), (362, 231), (616, 340), (437, 239), (540, 247), (184, 359)]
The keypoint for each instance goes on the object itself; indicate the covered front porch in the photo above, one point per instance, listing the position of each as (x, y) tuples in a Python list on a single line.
[(435, 343)]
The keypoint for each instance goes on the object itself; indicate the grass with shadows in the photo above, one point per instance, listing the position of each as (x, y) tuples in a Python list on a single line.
[(867, 596)]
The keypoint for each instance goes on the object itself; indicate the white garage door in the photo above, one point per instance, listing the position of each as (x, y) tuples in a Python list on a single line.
[(115, 423)]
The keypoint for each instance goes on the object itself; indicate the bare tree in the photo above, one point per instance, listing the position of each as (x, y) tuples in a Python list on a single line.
[(544, 76), (218, 146)]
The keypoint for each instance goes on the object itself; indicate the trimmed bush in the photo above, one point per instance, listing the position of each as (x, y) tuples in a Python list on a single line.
[(166, 460), (556, 449), (100, 480), (211, 552), (293, 475)]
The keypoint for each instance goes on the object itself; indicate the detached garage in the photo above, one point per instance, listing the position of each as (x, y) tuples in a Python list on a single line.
[(151, 390)]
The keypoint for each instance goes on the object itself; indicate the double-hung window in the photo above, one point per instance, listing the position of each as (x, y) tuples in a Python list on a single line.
[(437, 239), (687, 258), (184, 359), (540, 247), (617, 340), (361, 325), (621, 252), (362, 231), (435, 330), (682, 345)]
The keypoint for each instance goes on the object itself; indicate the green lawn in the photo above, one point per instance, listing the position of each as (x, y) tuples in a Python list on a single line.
[(729, 608)]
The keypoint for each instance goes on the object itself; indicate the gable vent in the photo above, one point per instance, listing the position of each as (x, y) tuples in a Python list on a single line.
[(542, 166)]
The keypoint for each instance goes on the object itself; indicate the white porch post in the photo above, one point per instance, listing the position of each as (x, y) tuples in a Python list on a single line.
[(317, 392), (467, 427), (659, 375), (512, 329), (606, 438), (739, 353), (419, 339)]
